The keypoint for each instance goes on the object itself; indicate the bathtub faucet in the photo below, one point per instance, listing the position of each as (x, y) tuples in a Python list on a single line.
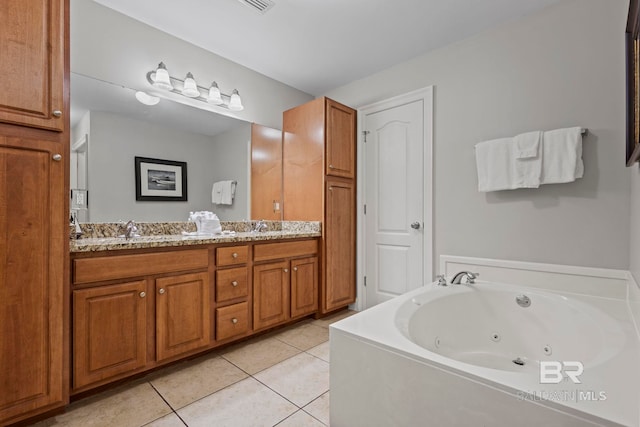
[(471, 277)]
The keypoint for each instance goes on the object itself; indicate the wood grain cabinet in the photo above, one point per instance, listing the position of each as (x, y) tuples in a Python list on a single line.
[(233, 296), (32, 63), (33, 207), (319, 154), (183, 320), (110, 331), (286, 287)]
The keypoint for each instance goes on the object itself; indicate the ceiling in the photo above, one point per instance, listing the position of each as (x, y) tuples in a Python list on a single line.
[(318, 45)]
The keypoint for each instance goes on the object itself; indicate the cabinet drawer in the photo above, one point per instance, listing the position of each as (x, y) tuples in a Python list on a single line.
[(232, 320), (268, 251), (232, 255), (87, 270), (231, 283)]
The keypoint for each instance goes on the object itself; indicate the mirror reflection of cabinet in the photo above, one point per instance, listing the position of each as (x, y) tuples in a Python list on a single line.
[(266, 173)]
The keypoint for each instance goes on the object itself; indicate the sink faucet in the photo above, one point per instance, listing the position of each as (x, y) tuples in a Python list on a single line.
[(260, 226), (128, 230), (471, 277)]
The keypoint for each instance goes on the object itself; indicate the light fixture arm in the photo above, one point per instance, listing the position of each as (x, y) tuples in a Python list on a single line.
[(178, 84)]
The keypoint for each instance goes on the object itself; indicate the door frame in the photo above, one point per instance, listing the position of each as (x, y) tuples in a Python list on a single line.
[(426, 96)]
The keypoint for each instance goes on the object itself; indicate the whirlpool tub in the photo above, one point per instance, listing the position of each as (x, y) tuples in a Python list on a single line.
[(486, 354)]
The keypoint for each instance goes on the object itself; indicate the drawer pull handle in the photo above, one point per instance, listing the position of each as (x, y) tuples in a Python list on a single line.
[(234, 320), (234, 255), (143, 294), (57, 113), (234, 283), (161, 291)]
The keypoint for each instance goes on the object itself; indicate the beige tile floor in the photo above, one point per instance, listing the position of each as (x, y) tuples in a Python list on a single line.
[(279, 379)]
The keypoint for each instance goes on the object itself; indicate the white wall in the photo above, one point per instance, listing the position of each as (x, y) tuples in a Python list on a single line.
[(231, 162), (115, 141), (563, 66), (113, 47), (634, 224)]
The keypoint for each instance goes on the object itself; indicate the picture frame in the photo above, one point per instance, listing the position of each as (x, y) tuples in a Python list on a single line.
[(633, 84), (160, 180)]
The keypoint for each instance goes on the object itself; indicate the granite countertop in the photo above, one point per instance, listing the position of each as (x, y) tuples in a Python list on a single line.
[(105, 242)]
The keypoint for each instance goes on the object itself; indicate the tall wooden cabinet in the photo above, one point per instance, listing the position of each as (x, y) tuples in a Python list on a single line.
[(319, 172), (34, 175)]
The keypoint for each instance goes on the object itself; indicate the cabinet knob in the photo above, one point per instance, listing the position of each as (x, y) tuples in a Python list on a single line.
[(57, 157), (57, 113), (286, 270), (161, 291), (234, 320), (234, 283), (330, 166), (295, 268), (143, 294), (330, 188), (234, 255)]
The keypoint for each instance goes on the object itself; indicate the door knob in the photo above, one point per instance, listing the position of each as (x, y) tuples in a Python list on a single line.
[(416, 225)]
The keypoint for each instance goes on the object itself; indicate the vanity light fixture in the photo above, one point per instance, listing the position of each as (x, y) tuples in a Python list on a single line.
[(188, 87)]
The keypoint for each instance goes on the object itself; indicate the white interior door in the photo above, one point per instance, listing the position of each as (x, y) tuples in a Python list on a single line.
[(396, 212)]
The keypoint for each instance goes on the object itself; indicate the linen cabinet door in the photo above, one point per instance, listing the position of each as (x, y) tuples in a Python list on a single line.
[(32, 63), (183, 318), (340, 140), (340, 250), (304, 286), (32, 289), (270, 294), (109, 332)]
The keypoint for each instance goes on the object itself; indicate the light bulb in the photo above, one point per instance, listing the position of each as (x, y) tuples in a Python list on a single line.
[(235, 103), (215, 97), (190, 87), (162, 79)]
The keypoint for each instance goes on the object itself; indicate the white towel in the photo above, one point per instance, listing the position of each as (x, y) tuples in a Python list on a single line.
[(494, 160), (562, 156), (528, 144), (500, 168), (223, 192)]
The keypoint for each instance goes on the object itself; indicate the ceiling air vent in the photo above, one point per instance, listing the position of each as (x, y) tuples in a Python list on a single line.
[(260, 6)]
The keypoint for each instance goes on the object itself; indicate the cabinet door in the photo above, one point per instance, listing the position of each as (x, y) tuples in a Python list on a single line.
[(32, 63), (270, 294), (340, 248), (183, 318), (304, 286), (341, 140), (109, 331), (266, 173), (32, 259)]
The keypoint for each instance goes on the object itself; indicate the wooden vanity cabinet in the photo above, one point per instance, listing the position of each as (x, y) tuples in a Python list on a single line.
[(34, 197), (110, 331), (232, 296), (319, 182), (133, 312), (286, 285)]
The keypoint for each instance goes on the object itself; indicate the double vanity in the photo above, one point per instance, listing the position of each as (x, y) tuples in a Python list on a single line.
[(147, 301)]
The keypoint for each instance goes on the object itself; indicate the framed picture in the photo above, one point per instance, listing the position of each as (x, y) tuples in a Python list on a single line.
[(633, 86), (160, 180)]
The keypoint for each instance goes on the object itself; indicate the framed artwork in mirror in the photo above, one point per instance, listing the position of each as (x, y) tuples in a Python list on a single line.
[(160, 180), (633, 86)]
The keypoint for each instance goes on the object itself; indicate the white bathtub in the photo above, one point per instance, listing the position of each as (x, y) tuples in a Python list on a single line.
[(470, 355)]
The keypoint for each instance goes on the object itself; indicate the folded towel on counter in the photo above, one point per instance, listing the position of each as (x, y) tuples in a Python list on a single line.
[(223, 192), (562, 156)]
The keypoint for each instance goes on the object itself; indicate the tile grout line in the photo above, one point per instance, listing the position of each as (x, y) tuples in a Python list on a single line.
[(168, 404)]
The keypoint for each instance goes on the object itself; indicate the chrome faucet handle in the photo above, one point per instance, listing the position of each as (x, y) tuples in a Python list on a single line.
[(442, 281), (471, 277)]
